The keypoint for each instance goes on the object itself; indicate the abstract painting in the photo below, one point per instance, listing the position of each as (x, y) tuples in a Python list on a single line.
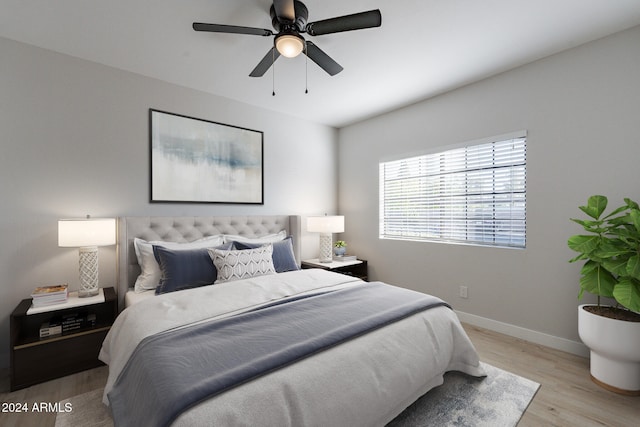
[(200, 161)]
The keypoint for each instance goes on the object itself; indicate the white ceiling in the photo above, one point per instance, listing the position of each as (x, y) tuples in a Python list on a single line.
[(424, 47)]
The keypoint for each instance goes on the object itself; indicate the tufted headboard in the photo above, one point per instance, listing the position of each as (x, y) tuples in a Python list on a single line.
[(186, 229)]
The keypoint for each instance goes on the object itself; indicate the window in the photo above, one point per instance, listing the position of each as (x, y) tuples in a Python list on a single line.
[(475, 194)]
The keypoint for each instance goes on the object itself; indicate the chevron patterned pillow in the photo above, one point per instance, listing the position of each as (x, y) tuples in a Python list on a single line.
[(242, 264)]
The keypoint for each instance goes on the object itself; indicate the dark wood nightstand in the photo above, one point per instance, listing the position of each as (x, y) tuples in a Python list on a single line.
[(35, 360), (356, 268)]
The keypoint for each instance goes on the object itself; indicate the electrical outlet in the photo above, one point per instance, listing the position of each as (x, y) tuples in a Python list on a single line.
[(463, 292)]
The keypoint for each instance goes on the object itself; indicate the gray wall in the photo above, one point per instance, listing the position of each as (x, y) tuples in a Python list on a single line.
[(581, 109), (74, 141)]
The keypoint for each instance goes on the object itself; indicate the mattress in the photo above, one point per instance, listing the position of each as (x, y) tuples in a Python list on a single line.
[(132, 297), (367, 381)]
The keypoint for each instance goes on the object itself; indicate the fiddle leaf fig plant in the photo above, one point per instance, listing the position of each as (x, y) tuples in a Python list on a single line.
[(611, 251)]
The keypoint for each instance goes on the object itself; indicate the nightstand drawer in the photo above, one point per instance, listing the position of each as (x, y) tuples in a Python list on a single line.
[(54, 358)]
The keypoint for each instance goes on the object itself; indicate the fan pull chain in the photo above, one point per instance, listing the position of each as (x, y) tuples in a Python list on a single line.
[(306, 69), (273, 74)]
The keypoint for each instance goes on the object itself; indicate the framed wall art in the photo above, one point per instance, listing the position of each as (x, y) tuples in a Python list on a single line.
[(200, 161)]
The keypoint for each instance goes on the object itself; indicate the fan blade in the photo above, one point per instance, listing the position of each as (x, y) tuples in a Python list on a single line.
[(234, 29), (322, 59), (266, 63), (285, 10), (357, 21)]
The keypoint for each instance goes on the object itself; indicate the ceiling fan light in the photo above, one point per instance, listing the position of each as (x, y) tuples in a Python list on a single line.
[(289, 45)]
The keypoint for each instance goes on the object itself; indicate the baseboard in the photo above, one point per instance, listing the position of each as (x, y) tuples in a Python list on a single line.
[(530, 335)]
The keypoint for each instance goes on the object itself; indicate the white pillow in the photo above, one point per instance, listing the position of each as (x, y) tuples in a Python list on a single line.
[(150, 270), (242, 264), (269, 238)]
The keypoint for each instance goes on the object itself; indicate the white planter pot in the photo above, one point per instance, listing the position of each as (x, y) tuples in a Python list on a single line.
[(615, 351)]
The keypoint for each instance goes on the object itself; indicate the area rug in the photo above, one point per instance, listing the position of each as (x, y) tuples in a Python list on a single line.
[(500, 399)]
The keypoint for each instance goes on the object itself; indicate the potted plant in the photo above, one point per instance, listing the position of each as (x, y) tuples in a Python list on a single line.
[(611, 251), (340, 248)]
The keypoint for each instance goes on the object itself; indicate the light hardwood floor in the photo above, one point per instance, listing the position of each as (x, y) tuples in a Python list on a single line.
[(567, 396), (49, 392)]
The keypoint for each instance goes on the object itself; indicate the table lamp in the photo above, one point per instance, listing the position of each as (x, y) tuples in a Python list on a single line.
[(87, 234), (326, 226)]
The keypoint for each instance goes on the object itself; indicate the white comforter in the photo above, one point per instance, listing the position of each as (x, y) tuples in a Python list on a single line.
[(365, 382)]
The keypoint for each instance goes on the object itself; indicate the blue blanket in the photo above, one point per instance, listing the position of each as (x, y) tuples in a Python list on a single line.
[(172, 371)]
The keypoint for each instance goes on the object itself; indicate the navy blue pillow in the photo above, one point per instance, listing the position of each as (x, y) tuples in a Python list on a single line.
[(283, 257), (185, 268)]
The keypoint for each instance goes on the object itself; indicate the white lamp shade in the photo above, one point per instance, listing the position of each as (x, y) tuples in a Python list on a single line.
[(325, 224), (76, 233)]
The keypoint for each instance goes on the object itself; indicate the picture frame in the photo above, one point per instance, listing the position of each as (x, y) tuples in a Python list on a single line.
[(195, 160)]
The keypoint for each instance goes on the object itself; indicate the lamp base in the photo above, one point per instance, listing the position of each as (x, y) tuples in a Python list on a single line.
[(88, 271), (326, 244), (85, 293)]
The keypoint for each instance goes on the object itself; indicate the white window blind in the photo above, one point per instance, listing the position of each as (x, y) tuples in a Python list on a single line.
[(474, 194)]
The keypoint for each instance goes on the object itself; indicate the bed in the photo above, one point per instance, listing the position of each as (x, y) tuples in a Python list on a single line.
[(364, 378)]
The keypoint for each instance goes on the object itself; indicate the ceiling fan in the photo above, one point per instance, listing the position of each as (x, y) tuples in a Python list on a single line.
[(289, 19)]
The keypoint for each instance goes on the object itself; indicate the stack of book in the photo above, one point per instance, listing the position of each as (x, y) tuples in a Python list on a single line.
[(67, 323), (345, 258), (49, 295), (48, 329), (72, 322)]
